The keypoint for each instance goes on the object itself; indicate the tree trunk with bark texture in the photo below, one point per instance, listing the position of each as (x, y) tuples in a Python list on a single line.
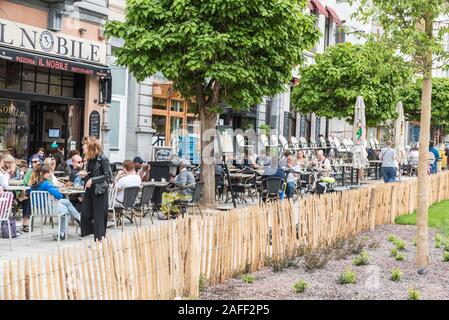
[(208, 120), (422, 241)]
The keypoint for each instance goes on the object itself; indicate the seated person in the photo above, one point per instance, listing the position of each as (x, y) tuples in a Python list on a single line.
[(185, 180), (292, 177), (24, 200), (142, 169), (4, 177), (9, 166), (70, 158), (301, 160), (51, 162), (39, 182), (128, 179), (322, 164), (76, 179)]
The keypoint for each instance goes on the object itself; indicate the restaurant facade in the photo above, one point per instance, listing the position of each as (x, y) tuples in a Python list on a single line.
[(54, 81)]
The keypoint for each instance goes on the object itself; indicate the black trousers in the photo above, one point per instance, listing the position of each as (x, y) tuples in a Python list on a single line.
[(94, 214)]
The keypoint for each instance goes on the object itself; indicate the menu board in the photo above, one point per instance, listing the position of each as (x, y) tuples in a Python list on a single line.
[(94, 124), (162, 153), (225, 139)]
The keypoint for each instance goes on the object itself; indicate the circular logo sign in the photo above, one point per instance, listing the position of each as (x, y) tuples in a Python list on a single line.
[(46, 41)]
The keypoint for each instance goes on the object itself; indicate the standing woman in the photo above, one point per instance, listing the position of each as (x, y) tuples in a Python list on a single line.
[(94, 211)]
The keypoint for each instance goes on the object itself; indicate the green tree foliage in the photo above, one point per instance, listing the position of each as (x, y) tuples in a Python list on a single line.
[(330, 87), (411, 98), (216, 51), (418, 29), (242, 49)]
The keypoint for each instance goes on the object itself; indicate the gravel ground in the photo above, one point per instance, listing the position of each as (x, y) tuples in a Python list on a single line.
[(373, 281)]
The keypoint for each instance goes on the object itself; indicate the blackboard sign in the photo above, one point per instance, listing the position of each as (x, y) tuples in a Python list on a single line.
[(286, 124), (162, 153), (94, 124)]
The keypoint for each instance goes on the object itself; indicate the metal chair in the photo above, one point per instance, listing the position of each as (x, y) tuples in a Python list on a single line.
[(111, 204), (196, 197), (145, 201), (6, 200), (219, 185), (129, 203), (284, 142), (43, 205), (270, 188)]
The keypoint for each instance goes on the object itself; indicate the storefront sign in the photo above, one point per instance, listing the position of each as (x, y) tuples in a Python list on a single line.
[(34, 39), (94, 124), (53, 63), (286, 124)]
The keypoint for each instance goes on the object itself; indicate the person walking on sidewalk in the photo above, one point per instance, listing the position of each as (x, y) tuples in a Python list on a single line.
[(389, 163)]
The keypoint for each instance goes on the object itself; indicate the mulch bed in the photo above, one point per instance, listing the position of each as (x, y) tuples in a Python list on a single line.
[(373, 280)]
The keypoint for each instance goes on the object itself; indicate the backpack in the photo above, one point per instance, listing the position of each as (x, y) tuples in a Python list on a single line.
[(4, 228)]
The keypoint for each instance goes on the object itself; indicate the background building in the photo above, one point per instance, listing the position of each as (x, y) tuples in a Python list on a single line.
[(52, 62)]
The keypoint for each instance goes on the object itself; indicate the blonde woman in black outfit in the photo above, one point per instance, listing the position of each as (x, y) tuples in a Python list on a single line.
[(94, 211)]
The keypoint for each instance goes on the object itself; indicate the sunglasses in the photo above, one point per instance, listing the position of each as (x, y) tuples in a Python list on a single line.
[(35, 161)]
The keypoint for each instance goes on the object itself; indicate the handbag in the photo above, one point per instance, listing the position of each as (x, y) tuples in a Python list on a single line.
[(100, 187)]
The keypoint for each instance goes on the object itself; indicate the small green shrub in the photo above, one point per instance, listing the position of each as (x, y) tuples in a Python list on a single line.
[(317, 258), (437, 245), (413, 294), (439, 238), (393, 252), (400, 257), (400, 245), (396, 274), (300, 286), (347, 277), (446, 256), (374, 244), (392, 238), (446, 245), (361, 259), (202, 282), (248, 278), (414, 242)]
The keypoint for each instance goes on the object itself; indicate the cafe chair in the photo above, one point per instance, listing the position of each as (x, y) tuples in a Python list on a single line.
[(6, 201), (44, 205), (111, 204), (194, 202), (270, 188), (145, 201), (129, 203)]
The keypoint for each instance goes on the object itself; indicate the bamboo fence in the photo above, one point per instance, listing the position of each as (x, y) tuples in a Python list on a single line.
[(167, 260)]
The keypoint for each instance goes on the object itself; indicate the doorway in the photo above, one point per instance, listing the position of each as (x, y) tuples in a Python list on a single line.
[(48, 125)]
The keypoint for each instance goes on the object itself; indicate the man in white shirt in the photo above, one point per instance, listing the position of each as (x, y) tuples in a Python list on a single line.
[(129, 179), (322, 164)]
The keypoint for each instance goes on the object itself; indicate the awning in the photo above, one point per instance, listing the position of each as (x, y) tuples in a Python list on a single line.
[(334, 15), (319, 7), (53, 63)]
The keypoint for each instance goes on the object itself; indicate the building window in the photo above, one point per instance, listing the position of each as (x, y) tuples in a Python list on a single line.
[(31, 79), (118, 75), (114, 124), (269, 105), (340, 35), (327, 33)]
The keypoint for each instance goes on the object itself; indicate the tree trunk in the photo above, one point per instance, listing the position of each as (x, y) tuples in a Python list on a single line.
[(422, 251), (208, 120)]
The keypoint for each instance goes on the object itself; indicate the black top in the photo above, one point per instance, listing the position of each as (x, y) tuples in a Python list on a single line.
[(99, 169), (73, 174)]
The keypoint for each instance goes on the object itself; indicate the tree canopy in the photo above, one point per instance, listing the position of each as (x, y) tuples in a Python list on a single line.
[(217, 51), (330, 87), (411, 98), (228, 51)]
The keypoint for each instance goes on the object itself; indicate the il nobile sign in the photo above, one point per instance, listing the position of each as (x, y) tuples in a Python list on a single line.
[(35, 39)]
